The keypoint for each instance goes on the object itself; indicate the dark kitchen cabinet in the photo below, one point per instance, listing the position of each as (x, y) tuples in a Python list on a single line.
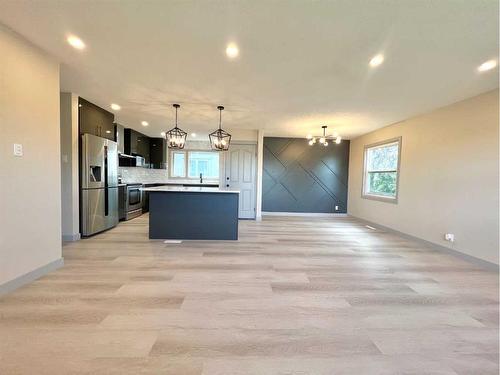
[(130, 141), (158, 153), (95, 120), (137, 144), (143, 147)]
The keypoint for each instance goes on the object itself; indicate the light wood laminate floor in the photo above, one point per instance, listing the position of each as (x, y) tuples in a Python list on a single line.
[(292, 296)]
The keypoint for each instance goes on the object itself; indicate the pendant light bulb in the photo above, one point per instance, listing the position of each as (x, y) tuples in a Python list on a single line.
[(337, 141)]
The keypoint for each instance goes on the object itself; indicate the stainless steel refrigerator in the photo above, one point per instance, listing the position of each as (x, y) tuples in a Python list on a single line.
[(99, 184)]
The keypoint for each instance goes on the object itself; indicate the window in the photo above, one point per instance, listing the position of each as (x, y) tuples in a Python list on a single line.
[(178, 165), (206, 163), (381, 170), (189, 164)]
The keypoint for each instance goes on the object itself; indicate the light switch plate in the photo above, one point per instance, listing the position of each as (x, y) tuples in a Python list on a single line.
[(18, 149)]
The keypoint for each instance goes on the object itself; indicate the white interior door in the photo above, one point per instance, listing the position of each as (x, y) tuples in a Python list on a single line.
[(240, 175)]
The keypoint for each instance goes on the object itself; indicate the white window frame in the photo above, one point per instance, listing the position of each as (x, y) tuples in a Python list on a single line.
[(382, 198), (186, 165), (170, 163)]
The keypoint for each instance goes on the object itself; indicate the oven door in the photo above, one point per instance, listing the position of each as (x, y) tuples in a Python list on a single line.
[(134, 197)]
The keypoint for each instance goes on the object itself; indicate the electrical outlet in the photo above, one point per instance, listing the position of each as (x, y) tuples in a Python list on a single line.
[(18, 149), (449, 237), (336, 208)]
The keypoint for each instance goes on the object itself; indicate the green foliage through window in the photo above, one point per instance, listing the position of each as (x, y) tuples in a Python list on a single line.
[(381, 170)]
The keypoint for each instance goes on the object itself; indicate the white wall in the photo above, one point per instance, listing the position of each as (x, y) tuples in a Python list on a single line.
[(30, 186), (449, 180), (69, 167)]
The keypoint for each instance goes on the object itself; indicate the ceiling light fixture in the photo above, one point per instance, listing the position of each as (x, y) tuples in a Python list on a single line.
[(232, 50), (163, 134), (324, 138), (220, 139), (376, 60), (75, 42), (193, 135), (488, 65), (144, 123), (176, 137), (115, 107)]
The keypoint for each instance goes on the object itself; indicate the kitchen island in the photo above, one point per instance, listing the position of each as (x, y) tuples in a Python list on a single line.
[(192, 213)]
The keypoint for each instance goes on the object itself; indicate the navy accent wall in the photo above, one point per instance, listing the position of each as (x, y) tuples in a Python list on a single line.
[(302, 178)]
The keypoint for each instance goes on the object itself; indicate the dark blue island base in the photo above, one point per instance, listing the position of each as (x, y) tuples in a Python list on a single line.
[(186, 215)]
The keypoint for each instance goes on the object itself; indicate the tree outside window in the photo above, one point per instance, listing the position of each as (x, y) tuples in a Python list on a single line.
[(381, 170)]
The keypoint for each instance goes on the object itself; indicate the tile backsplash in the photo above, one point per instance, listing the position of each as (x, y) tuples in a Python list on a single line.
[(143, 175), (131, 175)]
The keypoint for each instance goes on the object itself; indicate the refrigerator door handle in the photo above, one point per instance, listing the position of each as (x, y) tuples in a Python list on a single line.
[(106, 192)]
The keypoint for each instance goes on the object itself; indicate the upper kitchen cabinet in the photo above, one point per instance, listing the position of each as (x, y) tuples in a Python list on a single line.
[(120, 138), (95, 120), (158, 153), (137, 144)]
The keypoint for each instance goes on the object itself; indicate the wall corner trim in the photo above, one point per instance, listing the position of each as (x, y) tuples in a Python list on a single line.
[(31, 276), (443, 249), (71, 237)]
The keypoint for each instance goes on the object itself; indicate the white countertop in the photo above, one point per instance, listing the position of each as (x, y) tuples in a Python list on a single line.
[(189, 189)]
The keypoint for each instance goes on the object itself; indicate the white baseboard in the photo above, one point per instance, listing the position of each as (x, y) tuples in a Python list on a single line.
[(31, 276), (309, 214), (472, 259), (71, 237)]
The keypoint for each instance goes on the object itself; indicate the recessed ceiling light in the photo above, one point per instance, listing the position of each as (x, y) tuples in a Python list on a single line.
[(144, 123), (232, 50), (193, 135), (488, 65), (116, 107), (75, 42), (376, 60)]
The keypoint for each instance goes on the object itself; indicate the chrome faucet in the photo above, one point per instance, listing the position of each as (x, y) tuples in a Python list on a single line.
[(201, 178)]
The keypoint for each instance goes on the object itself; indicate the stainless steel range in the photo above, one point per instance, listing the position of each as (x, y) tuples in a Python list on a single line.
[(133, 200)]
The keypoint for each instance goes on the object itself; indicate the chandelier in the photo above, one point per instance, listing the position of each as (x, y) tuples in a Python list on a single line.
[(323, 139), (176, 137), (220, 139)]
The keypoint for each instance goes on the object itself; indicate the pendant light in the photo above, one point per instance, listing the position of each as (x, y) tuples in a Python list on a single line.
[(323, 139), (176, 137), (220, 139)]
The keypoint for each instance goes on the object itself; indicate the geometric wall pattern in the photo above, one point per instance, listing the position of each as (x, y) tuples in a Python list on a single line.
[(302, 178)]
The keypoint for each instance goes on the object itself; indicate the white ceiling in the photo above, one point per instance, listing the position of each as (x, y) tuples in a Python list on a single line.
[(302, 64)]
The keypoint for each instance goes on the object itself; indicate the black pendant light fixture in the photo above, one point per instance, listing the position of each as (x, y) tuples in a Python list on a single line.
[(176, 137), (220, 139)]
